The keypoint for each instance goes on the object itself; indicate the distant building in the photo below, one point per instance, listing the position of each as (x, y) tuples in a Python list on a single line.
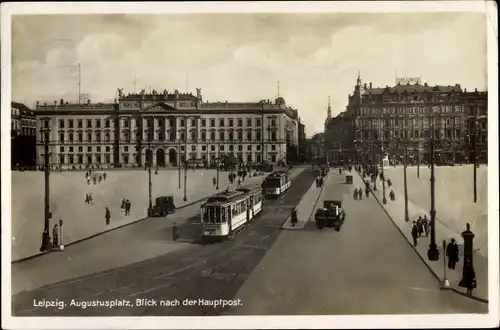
[(302, 142), (163, 129), (23, 136), (315, 150), (391, 118), (476, 121)]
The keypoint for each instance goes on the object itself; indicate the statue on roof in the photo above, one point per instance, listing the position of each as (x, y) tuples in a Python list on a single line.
[(198, 92), (165, 92), (120, 92), (143, 91)]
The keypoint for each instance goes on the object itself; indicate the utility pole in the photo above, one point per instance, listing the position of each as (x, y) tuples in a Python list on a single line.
[(474, 154), (384, 199), (149, 162), (134, 82), (179, 161), (407, 217), (185, 164)]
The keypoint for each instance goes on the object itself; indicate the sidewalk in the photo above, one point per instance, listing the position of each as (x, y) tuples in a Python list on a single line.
[(307, 206), (82, 220), (395, 211)]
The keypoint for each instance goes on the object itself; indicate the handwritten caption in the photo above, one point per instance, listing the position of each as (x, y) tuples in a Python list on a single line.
[(141, 302)]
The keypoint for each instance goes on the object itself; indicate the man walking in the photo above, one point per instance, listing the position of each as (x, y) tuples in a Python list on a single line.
[(452, 254), (414, 233), (107, 216)]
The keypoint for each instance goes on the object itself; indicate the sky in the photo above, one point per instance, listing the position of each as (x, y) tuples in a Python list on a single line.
[(241, 57)]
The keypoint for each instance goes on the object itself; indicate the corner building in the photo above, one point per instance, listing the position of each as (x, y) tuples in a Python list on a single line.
[(164, 129)]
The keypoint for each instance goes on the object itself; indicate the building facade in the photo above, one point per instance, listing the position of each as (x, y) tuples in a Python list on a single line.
[(315, 150), (386, 121), (23, 136), (163, 129), (302, 142)]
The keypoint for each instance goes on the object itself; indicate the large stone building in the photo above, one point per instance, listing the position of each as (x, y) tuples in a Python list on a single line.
[(315, 150), (385, 120), (163, 129), (23, 136)]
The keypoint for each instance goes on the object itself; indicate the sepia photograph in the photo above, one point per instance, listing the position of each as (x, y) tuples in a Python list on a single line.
[(250, 165)]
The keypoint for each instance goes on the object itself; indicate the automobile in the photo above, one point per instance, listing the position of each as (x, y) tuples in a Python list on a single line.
[(330, 215), (163, 206)]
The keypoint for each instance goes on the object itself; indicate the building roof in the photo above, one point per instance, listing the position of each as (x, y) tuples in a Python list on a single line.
[(155, 96), (23, 108), (416, 88)]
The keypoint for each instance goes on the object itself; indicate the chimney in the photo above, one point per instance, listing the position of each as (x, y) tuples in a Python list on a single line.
[(370, 85), (475, 90), (37, 103), (465, 90), (55, 102), (425, 84), (365, 85), (62, 101)]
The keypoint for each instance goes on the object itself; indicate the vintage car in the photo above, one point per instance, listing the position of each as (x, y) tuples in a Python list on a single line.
[(330, 215), (163, 206)]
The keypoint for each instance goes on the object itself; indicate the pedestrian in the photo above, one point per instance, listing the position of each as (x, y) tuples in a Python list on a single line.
[(88, 181), (214, 181), (45, 241), (294, 218), (104, 176), (425, 224), (95, 179), (420, 226), (367, 192), (239, 182), (129, 206), (175, 232), (107, 216), (360, 194), (389, 183), (123, 205), (468, 280), (156, 171), (452, 254), (100, 178), (414, 233), (91, 199), (355, 194), (55, 237), (87, 199)]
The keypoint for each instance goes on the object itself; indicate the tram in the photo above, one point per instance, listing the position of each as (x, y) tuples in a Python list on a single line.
[(277, 183), (226, 213)]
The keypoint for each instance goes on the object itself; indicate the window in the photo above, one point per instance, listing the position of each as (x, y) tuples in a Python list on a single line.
[(249, 158), (61, 123), (249, 135), (80, 149), (203, 136), (258, 136), (221, 122), (80, 137), (204, 147), (107, 149), (106, 123), (46, 124), (221, 147), (212, 148), (193, 148), (182, 123), (240, 122), (221, 136), (203, 122), (231, 147), (249, 147), (273, 136), (231, 123), (193, 135), (61, 149), (70, 149), (125, 123), (249, 122), (212, 136), (70, 137), (258, 147), (125, 149), (61, 137), (240, 135), (70, 123), (257, 122), (98, 149), (273, 122), (240, 148), (98, 123), (89, 122), (89, 149), (273, 147), (231, 136), (212, 122), (193, 122)]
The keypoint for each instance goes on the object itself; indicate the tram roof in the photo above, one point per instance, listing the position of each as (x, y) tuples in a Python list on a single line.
[(224, 196), (277, 174), (249, 188)]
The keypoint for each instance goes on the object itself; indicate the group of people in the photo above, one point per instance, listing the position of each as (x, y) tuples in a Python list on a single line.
[(94, 177), (125, 206), (420, 226)]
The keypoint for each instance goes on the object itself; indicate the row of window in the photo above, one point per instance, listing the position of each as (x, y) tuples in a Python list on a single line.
[(413, 121), (412, 110), (193, 148), (388, 135), (223, 136), (78, 123)]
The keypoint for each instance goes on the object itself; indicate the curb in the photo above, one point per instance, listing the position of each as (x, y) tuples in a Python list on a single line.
[(100, 233), (418, 254)]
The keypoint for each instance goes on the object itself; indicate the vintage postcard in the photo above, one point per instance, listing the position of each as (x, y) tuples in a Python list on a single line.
[(249, 165)]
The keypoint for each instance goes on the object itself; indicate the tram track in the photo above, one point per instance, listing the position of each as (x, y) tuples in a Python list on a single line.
[(214, 271)]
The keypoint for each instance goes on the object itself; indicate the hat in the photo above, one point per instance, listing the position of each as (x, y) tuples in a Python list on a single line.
[(452, 240)]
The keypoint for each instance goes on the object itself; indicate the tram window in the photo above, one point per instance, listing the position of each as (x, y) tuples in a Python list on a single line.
[(223, 214), (217, 214), (235, 211), (211, 214)]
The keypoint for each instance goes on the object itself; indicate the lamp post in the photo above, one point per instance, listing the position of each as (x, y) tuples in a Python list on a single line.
[(407, 217), (179, 162), (217, 165), (418, 150), (149, 161), (433, 252), (185, 167), (474, 154), (384, 199), (47, 215)]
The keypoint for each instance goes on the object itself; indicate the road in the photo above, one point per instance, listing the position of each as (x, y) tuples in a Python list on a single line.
[(213, 271), (366, 268)]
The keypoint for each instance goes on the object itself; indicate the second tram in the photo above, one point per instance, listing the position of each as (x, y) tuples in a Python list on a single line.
[(277, 183)]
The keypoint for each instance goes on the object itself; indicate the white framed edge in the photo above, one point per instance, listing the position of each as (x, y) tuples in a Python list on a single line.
[(252, 322)]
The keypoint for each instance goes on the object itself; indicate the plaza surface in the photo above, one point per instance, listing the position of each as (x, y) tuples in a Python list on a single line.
[(448, 221), (81, 220), (141, 261), (366, 268)]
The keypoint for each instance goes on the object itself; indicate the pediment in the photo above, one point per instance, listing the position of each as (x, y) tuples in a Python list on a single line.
[(160, 107)]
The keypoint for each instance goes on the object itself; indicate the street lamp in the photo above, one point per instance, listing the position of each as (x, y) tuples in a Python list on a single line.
[(384, 199), (433, 252), (407, 217), (185, 166), (47, 215), (179, 162), (474, 154), (217, 165), (149, 161)]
